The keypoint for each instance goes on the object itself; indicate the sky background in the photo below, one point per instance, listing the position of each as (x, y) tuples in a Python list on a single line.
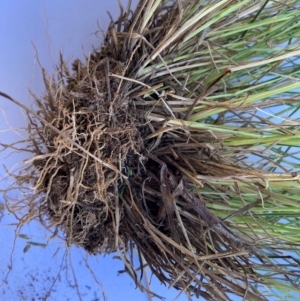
[(44, 28)]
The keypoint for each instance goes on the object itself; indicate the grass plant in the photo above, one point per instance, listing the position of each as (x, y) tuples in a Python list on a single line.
[(180, 138)]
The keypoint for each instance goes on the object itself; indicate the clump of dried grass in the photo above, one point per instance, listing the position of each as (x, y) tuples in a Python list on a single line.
[(119, 164)]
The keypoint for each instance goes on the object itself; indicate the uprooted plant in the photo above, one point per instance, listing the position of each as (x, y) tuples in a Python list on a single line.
[(159, 142)]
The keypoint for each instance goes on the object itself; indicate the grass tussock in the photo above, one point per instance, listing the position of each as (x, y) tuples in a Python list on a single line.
[(178, 138)]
